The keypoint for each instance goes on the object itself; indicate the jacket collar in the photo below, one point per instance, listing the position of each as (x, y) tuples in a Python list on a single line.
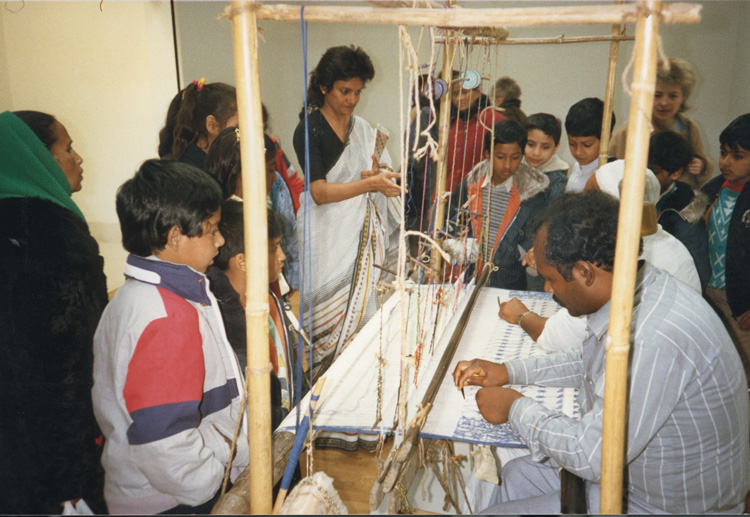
[(177, 278), (528, 180)]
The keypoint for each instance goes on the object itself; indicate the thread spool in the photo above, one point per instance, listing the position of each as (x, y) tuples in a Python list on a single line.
[(439, 88), (471, 79)]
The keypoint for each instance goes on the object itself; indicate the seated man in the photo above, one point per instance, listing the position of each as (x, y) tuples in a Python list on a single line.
[(687, 424)]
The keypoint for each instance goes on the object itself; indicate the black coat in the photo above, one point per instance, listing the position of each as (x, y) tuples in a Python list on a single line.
[(53, 294), (738, 247)]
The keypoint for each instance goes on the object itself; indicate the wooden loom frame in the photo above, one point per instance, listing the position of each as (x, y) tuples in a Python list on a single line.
[(648, 16)]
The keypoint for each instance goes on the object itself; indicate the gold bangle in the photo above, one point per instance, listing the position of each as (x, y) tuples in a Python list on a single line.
[(522, 315)]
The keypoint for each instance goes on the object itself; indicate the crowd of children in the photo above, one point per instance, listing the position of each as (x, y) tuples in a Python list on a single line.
[(168, 351)]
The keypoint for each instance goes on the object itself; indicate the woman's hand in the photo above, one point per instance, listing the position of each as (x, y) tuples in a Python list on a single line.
[(372, 172), (696, 166), (479, 372), (383, 183)]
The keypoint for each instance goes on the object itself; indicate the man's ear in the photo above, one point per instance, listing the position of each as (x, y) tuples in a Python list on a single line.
[(241, 261), (173, 238), (587, 271), (212, 125)]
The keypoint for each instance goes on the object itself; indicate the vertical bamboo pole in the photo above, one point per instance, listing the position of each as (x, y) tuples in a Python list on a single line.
[(244, 31), (609, 96), (443, 130), (626, 256)]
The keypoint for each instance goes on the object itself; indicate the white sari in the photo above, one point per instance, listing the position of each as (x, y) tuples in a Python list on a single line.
[(345, 239)]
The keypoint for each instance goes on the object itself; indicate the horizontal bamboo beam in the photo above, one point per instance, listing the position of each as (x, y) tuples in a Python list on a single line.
[(559, 40), (676, 13)]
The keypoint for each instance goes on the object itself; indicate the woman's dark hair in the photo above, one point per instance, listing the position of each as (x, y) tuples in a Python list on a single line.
[(195, 105), (506, 132), (163, 194), (581, 226), (223, 161), (548, 124), (337, 64), (41, 124), (166, 135)]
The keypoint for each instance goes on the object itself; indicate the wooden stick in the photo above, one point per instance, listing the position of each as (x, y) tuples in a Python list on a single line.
[(298, 442), (245, 31), (626, 256), (237, 500), (519, 17), (557, 40), (609, 96), (444, 123)]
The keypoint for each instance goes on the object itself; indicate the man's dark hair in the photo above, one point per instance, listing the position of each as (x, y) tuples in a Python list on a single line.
[(670, 151), (585, 118), (548, 124), (737, 133), (163, 194), (506, 132), (581, 226)]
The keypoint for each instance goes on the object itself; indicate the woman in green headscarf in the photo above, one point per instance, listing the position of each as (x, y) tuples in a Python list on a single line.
[(52, 293)]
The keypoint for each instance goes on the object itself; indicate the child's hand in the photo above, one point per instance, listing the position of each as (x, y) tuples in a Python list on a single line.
[(744, 321), (529, 259)]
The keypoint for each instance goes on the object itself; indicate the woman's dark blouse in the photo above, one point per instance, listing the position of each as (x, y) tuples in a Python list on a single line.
[(325, 146)]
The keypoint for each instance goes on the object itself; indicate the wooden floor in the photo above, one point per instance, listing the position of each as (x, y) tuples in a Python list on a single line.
[(353, 473)]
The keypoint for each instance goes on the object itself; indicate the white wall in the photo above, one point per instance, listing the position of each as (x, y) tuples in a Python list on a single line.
[(108, 76), (552, 77)]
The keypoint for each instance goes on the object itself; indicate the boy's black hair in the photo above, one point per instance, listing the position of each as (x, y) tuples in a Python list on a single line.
[(737, 133), (548, 124), (223, 161), (232, 228), (585, 118), (580, 226), (506, 132), (670, 151), (163, 194)]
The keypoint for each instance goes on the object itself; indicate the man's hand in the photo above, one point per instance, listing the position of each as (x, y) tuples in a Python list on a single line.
[(494, 403), (479, 372), (511, 310), (744, 321)]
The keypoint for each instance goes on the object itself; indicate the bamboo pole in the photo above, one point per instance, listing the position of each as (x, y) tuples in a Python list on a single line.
[(554, 40), (516, 17), (444, 123), (245, 30), (609, 96), (626, 256)]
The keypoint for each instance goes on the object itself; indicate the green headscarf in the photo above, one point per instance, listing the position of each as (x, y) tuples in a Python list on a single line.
[(27, 169)]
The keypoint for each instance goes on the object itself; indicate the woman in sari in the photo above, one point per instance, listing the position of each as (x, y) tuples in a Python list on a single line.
[(347, 224)]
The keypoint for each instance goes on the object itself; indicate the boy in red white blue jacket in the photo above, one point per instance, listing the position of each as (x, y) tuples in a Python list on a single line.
[(167, 383)]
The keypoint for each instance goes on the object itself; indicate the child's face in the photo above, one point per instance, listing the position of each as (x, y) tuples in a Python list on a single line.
[(539, 148), (668, 100), (505, 161), (198, 252), (463, 99), (665, 178), (585, 149), (276, 259), (270, 174), (735, 165)]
